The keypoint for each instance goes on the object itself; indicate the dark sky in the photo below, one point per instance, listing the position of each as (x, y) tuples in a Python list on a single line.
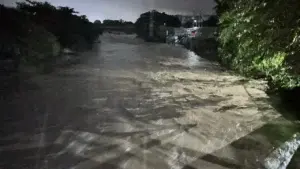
[(130, 9)]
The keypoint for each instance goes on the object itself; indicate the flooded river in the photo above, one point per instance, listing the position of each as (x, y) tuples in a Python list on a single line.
[(135, 105)]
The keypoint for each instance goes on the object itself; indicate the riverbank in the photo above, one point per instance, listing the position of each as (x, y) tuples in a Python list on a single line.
[(283, 101), (208, 49)]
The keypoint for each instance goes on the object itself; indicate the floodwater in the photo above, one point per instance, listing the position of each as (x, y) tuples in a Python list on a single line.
[(135, 105)]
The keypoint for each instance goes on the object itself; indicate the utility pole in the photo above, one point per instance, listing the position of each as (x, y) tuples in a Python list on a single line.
[(200, 15)]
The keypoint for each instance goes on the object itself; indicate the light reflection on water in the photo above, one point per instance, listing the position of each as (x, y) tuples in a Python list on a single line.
[(192, 59)]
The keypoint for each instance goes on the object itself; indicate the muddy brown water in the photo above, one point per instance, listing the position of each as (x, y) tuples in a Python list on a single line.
[(131, 104)]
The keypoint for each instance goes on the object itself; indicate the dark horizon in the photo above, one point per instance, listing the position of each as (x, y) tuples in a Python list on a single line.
[(130, 11)]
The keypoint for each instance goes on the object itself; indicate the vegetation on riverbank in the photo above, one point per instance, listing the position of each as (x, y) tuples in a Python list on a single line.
[(35, 32), (159, 19), (118, 26), (261, 39)]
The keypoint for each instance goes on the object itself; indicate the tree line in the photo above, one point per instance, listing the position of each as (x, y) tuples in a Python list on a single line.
[(108, 22), (35, 32)]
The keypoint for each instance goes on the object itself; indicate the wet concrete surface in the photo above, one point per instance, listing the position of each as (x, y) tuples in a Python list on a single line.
[(131, 104)]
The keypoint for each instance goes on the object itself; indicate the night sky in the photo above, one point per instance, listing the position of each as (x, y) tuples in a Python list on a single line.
[(130, 9)]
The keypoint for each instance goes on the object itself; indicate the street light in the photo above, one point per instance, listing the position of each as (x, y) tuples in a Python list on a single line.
[(195, 23)]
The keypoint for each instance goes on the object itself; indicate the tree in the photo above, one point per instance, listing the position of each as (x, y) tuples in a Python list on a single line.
[(63, 22), (33, 32), (212, 21), (23, 40), (97, 22), (261, 37), (142, 23), (98, 26)]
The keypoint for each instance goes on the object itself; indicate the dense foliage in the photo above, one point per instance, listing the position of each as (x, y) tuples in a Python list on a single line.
[(24, 40), (118, 26), (261, 38), (35, 32), (159, 19), (63, 22)]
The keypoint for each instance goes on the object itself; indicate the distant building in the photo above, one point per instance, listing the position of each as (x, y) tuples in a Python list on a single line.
[(197, 19)]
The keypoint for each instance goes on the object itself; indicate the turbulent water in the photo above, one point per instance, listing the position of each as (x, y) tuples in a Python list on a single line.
[(281, 157), (131, 104)]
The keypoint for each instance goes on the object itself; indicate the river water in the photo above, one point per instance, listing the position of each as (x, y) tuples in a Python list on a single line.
[(131, 104)]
